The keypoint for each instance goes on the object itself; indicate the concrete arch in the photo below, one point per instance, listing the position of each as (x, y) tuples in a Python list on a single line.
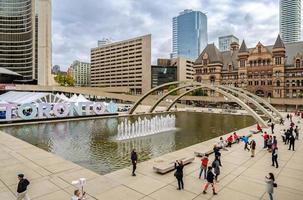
[(249, 99), (133, 108), (167, 94), (260, 100), (226, 94)]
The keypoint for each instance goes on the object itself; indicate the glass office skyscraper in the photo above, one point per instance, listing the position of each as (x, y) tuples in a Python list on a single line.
[(189, 34), (290, 20)]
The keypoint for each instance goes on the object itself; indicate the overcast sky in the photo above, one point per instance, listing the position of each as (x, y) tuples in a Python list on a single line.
[(79, 24)]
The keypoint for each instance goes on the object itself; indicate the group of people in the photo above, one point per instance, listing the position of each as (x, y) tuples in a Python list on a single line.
[(209, 172)]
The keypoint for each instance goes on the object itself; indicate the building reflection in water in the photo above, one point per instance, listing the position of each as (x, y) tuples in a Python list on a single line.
[(89, 143)]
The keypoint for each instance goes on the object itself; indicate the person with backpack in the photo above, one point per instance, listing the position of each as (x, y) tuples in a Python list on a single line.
[(22, 188), (253, 148), (210, 180), (204, 164), (179, 174), (274, 157), (270, 184), (216, 166)]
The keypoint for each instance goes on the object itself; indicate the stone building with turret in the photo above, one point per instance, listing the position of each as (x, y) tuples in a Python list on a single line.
[(268, 71)]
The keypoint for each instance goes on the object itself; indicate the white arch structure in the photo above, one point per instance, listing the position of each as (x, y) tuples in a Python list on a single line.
[(227, 91)]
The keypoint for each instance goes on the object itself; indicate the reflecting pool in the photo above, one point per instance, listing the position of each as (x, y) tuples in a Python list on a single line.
[(90, 143)]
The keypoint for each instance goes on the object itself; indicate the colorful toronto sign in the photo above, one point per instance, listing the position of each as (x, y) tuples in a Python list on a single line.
[(30, 111)]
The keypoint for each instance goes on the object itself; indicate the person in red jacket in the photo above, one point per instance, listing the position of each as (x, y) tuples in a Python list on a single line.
[(204, 164), (265, 137), (236, 137), (229, 141), (259, 129)]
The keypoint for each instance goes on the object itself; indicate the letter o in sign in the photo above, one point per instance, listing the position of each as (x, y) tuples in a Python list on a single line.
[(99, 108), (31, 115), (57, 108)]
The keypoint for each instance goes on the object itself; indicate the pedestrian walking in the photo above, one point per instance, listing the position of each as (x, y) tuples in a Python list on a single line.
[(22, 188), (210, 181), (179, 174), (269, 143), (270, 184), (216, 166), (246, 142), (281, 121), (272, 128), (287, 136), (77, 195), (204, 164), (290, 117), (259, 129), (274, 142), (274, 157), (134, 159), (297, 132), (292, 140), (253, 148), (217, 154), (265, 138)]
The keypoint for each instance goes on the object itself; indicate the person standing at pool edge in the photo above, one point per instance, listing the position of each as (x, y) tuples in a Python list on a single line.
[(134, 159), (179, 174)]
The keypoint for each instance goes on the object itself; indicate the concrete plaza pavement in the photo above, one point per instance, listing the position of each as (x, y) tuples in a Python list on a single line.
[(242, 177)]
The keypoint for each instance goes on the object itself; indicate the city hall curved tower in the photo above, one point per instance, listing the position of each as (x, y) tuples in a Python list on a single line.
[(25, 38), (17, 33)]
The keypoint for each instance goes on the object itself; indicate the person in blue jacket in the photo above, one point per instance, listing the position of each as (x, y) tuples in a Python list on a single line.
[(246, 142)]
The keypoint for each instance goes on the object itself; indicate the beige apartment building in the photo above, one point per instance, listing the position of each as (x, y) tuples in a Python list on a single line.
[(185, 69), (25, 38), (123, 64), (81, 73)]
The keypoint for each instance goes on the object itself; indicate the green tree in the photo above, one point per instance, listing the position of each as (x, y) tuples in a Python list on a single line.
[(65, 80), (171, 87), (199, 92)]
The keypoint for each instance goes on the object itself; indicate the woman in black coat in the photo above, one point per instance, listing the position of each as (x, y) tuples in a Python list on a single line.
[(179, 174)]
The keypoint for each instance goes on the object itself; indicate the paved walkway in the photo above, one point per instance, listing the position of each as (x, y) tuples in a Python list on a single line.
[(242, 177)]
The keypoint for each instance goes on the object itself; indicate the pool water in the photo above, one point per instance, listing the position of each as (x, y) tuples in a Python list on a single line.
[(90, 143)]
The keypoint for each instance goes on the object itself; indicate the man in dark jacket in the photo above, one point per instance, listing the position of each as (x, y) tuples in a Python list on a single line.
[(210, 180), (22, 188), (134, 159), (179, 174), (292, 142)]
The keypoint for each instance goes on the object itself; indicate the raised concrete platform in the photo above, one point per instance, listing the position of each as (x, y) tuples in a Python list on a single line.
[(242, 177)]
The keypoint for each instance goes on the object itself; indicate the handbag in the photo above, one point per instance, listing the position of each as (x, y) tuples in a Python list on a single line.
[(275, 185)]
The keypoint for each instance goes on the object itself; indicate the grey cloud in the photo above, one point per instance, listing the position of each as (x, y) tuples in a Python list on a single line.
[(78, 24)]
